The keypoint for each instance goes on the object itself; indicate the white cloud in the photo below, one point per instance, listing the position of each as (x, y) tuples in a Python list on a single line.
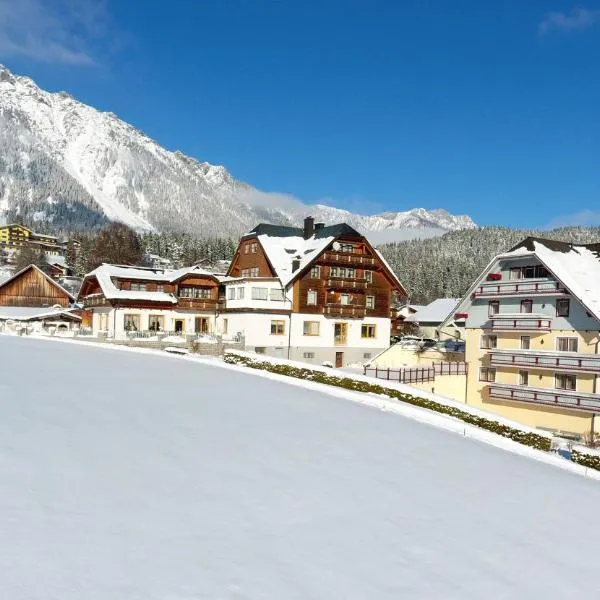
[(582, 218), (52, 31), (577, 19)]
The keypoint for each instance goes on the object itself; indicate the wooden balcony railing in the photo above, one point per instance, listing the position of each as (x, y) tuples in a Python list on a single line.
[(95, 300), (355, 311), (520, 322), (197, 303), (569, 399), (347, 258), (337, 283), (540, 287), (545, 360)]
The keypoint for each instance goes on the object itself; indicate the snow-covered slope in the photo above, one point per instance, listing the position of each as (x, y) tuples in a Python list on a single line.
[(66, 162), (166, 482)]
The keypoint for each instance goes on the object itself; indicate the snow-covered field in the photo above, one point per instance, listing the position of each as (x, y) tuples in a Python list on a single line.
[(142, 477)]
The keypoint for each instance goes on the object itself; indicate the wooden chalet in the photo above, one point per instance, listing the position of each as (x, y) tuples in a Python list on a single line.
[(31, 287), (332, 271), (154, 300)]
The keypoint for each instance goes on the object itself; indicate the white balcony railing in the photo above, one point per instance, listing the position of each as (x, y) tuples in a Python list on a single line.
[(569, 399), (546, 360), (520, 322), (528, 287)]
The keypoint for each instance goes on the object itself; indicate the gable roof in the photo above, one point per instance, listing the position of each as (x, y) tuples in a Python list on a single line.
[(576, 266), (56, 285), (104, 275), (282, 245), (26, 313), (434, 312)]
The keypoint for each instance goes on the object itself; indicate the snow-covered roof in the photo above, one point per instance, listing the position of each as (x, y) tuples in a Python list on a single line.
[(435, 312), (106, 272), (283, 245), (282, 251), (576, 266), (29, 313)]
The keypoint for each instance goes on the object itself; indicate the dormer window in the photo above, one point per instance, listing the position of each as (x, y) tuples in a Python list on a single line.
[(346, 248)]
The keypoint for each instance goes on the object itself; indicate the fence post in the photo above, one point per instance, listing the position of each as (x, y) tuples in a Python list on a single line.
[(376, 372), (388, 374)]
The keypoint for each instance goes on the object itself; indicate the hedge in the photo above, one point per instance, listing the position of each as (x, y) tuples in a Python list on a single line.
[(523, 437)]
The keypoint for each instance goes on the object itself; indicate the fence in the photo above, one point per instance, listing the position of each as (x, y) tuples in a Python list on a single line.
[(417, 374)]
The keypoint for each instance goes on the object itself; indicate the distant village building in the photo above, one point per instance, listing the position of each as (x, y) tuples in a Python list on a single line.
[(531, 323), (428, 318), (14, 237)]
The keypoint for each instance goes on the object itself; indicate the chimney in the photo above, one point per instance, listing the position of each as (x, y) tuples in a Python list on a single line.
[(319, 226), (309, 227), (295, 265)]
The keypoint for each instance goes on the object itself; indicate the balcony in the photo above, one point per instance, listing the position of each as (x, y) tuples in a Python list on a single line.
[(546, 360), (569, 399), (347, 258), (197, 303), (95, 300), (338, 283), (520, 322), (527, 287), (352, 311)]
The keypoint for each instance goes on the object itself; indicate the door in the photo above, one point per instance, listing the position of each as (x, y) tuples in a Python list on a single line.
[(201, 325), (339, 360), (179, 326), (340, 333)]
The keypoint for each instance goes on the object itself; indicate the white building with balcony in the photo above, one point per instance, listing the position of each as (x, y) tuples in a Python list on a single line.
[(531, 323)]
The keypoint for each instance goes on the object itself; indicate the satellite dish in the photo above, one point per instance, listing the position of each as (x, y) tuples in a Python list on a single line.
[(336, 246)]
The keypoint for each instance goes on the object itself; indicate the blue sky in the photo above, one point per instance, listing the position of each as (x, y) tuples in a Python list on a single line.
[(484, 108)]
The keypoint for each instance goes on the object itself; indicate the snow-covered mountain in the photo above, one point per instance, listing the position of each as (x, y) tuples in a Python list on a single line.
[(67, 163)]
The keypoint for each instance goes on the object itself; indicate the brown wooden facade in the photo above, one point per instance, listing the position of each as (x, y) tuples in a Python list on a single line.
[(355, 273), (31, 287)]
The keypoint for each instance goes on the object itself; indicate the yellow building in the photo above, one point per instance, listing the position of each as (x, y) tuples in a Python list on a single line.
[(14, 237), (531, 324)]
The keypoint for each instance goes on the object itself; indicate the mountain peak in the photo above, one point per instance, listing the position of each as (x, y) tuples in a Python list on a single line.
[(74, 167)]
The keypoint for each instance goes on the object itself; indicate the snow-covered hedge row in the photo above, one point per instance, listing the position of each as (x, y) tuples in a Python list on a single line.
[(529, 438)]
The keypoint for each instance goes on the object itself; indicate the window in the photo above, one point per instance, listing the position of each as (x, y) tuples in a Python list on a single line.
[(367, 355), (254, 248), (514, 273), (525, 342), (254, 272), (260, 349), (342, 272), (246, 248), (276, 294), (131, 322), (156, 323), (277, 327), (565, 381), (562, 307), (240, 293), (230, 293), (311, 297), (523, 377), (194, 292), (368, 331), (160, 287), (351, 272), (528, 272), (489, 341), (345, 299), (315, 272), (311, 328), (245, 272), (369, 276), (487, 374), (370, 301), (260, 293), (334, 272), (138, 287), (566, 344), (493, 307), (346, 248), (526, 306), (225, 326), (308, 355)]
